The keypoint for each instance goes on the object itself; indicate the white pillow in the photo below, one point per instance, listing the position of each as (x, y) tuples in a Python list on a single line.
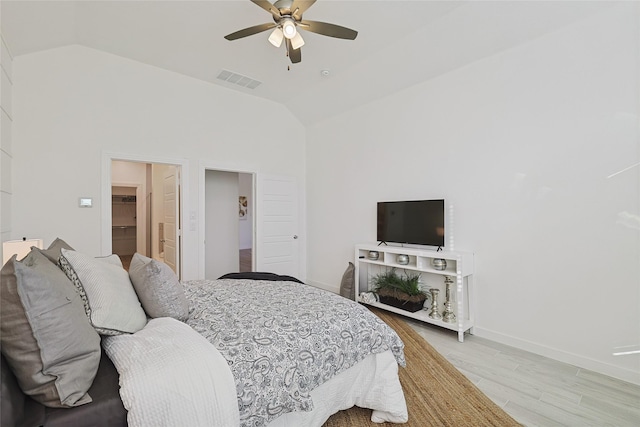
[(110, 301)]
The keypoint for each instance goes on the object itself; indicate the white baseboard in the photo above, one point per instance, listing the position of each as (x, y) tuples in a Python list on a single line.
[(326, 287), (562, 356), (559, 355)]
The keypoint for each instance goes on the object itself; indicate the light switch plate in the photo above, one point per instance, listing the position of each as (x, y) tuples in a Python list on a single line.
[(85, 202)]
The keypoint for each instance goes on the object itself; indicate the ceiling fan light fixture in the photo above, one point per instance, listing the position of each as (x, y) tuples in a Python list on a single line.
[(287, 16), (297, 42), (276, 37), (289, 28)]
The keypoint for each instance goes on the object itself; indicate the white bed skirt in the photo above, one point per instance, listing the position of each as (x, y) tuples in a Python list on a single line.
[(373, 383)]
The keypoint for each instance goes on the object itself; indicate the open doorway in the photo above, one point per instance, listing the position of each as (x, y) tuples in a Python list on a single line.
[(229, 222), (245, 221), (145, 211), (124, 218)]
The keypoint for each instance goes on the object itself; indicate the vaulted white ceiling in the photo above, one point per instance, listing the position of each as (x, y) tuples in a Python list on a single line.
[(399, 43)]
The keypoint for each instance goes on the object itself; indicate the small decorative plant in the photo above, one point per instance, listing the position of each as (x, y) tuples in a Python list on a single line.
[(405, 289)]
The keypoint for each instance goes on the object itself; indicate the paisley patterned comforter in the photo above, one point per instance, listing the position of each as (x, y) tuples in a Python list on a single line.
[(283, 339)]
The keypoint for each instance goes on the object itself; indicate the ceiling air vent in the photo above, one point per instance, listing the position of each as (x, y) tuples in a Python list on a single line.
[(238, 79)]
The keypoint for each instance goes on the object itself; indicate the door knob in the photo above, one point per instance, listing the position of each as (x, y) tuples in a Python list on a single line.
[(295, 236)]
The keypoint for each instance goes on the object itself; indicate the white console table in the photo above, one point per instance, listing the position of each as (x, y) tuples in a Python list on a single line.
[(459, 269)]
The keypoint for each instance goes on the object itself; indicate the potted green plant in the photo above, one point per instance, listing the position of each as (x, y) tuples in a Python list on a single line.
[(399, 291)]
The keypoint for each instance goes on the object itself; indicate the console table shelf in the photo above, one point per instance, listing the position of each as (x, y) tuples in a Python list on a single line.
[(459, 268)]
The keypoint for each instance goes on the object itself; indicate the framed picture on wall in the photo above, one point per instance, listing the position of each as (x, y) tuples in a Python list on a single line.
[(242, 200)]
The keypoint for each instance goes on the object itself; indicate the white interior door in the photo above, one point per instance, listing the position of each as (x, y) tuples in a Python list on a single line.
[(277, 242), (171, 219)]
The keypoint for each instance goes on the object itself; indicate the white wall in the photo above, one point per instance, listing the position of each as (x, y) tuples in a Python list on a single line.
[(6, 151), (522, 145), (221, 224), (73, 104)]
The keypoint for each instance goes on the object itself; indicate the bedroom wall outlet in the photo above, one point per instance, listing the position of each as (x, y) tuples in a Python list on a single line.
[(85, 202)]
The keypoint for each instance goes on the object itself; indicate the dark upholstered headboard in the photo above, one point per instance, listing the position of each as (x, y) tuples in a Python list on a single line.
[(106, 410), (17, 409)]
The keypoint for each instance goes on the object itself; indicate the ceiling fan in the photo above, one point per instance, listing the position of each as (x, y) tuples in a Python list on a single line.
[(287, 20)]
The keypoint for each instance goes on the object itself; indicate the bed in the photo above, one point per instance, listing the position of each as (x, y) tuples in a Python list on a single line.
[(247, 350)]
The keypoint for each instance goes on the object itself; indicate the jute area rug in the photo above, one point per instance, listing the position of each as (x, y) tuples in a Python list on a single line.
[(437, 394)]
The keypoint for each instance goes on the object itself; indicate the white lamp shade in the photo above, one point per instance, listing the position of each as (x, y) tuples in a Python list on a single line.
[(18, 247), (289, 28), (276, 37), (297, 42)]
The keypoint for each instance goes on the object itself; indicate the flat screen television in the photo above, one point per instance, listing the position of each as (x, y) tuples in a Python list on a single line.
[(417, 222)]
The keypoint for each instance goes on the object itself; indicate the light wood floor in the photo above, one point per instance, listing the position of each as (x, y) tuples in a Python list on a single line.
[(126, 261), (535, 390), (245, 260)]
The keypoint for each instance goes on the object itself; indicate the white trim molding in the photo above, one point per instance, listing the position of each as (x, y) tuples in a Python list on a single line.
[(105, 220)]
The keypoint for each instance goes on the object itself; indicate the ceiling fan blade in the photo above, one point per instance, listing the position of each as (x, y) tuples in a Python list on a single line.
[(266, 5), (326, 29), (295, 55), (249, 31), (298, 7)]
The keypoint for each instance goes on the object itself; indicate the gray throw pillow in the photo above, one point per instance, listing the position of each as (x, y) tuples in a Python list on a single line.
[(158, 288), (110, 301), (45, 335), (53, 251), (347, 285)]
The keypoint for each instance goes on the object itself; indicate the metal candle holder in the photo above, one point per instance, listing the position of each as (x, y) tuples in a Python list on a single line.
[(448, 315), (434, 304)]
